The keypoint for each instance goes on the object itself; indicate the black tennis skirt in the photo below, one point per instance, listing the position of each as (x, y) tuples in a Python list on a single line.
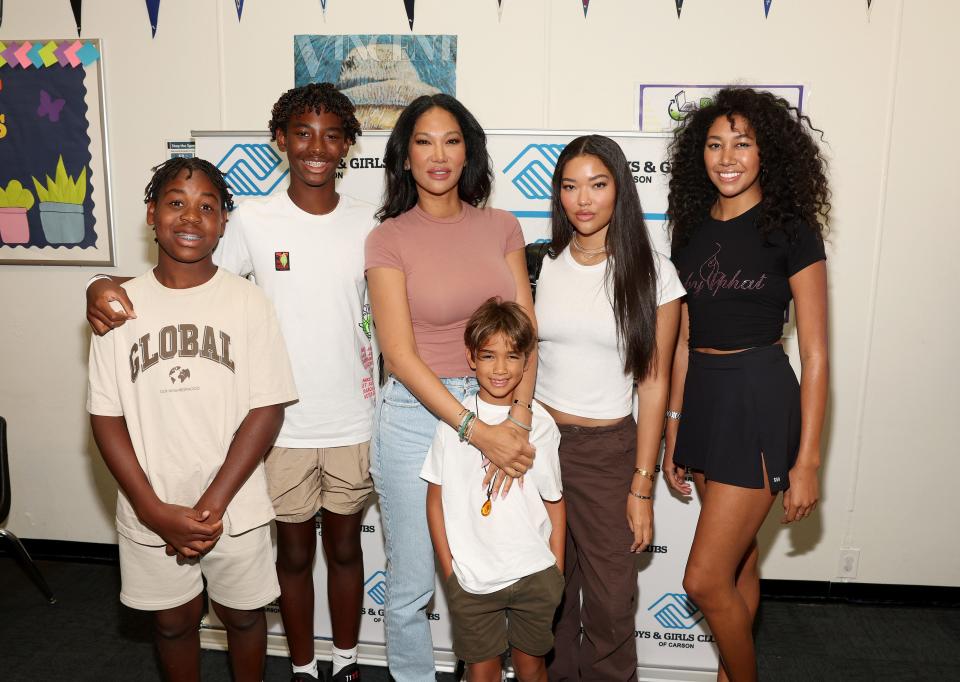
[(740, 411)]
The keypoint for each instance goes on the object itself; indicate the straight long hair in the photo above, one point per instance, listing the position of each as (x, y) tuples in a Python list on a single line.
[(631, 271), (476, 179)]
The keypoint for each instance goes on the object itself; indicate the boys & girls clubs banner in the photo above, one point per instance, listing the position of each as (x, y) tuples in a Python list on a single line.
[(673, 641), (54, 184)]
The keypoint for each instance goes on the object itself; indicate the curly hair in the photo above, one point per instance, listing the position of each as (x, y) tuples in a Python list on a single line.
[(793, 178), (168, 170), (476, 180), (314, 97), (630, 264)]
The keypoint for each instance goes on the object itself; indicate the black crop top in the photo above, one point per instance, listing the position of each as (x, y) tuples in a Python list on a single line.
[(737, 281)]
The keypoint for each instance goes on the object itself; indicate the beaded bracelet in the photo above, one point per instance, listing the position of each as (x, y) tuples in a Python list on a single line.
[(641, 497), (467, 420)]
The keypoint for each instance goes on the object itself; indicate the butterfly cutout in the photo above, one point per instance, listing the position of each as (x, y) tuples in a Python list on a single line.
[(50, 107)]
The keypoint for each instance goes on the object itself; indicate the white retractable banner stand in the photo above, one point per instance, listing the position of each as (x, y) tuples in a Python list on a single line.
[(673, 641)]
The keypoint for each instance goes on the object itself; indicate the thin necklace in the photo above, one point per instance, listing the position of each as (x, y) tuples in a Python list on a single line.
[(588, 254), (488, 505)]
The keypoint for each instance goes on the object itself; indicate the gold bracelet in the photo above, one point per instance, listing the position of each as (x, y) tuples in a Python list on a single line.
[(519, 402), (646, 474)]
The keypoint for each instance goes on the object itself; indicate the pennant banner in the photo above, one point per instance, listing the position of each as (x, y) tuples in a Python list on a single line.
[(586, 6), (679, 7), (239, 4), (76, 5), (323, 7), (766, 7), (408, 4), (153, 9), (499, 9), (39, 55), (1, 12), (868, 4)]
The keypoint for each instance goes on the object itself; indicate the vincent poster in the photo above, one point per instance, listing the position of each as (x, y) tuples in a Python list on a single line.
[(380, 74)]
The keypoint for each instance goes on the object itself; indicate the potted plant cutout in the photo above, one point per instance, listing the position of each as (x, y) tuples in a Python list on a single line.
[(61, 206), (15, 201)]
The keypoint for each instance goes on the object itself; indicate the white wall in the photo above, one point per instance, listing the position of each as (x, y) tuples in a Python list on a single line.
[(877, 84)]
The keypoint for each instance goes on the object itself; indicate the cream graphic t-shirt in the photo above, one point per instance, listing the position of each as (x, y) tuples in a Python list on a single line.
[(184, 374)]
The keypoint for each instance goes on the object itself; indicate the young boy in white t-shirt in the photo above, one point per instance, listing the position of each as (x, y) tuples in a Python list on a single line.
[(502, 558), (184, 402)]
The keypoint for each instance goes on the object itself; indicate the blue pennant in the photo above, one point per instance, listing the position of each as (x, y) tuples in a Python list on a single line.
[(153, 9)]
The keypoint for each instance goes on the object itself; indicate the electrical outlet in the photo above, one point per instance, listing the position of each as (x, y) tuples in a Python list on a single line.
[(849, 563)]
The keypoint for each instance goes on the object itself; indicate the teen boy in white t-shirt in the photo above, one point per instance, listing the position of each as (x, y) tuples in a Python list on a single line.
[(502, 558), (304, 247), (184, 402)]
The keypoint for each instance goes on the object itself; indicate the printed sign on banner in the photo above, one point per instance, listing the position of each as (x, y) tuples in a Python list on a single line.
[(661, 107), (670, 630)]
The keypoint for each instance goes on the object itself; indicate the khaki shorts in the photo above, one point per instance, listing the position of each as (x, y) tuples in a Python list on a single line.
[(302, 480), (520, 615), (239, 571)]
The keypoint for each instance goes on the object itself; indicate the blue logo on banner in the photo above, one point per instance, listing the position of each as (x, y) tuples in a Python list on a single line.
[(675, 610), (534, 168), (376, 587), (252, 169)]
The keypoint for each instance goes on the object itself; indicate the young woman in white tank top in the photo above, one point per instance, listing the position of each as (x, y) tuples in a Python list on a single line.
[(608, 311)]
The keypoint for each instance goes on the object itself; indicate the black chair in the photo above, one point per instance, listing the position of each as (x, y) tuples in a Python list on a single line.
[(19, 551)]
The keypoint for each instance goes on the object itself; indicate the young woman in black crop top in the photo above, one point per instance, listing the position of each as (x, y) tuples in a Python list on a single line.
[(748, 197)]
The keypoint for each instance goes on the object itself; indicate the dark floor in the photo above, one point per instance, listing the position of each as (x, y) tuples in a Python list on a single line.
[(88, 635)]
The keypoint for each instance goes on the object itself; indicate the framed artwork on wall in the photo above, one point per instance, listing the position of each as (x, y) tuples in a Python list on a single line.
[(54, 170)]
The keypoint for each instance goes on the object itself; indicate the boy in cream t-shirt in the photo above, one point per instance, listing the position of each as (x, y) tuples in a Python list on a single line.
[(185, 400)]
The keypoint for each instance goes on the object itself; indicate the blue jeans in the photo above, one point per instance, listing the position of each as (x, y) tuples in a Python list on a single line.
[(402, 433)]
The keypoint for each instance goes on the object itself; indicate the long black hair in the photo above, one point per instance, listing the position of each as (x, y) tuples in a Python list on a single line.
[(631, 269), (476, 179), (793, 178)]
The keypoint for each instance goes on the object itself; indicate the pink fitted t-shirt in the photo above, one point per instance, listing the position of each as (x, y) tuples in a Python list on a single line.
[(451, 265)]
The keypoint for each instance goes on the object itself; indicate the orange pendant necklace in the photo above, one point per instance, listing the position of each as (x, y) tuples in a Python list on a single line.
[(487, 506)]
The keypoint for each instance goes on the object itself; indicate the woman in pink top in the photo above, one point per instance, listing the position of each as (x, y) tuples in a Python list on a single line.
[(437, 255)]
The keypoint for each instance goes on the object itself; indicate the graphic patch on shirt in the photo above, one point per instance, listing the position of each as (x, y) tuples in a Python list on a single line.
[(366, 321), (281, 260)]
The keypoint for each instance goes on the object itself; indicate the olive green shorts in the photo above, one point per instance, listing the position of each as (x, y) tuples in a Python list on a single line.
[(520, 615)]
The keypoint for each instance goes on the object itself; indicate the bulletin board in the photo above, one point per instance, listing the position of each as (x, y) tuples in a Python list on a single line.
[(54, 174)]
